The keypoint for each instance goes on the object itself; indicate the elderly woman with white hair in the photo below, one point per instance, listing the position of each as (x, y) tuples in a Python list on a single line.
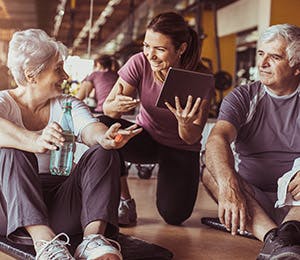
[(47, 205)]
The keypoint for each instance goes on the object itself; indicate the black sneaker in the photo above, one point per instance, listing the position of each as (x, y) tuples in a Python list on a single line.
[(282, 243)]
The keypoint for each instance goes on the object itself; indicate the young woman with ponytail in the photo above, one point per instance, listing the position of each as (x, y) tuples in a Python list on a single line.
[(171, 137)]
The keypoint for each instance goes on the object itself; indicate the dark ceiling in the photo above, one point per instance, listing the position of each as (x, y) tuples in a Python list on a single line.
[(124, 22)]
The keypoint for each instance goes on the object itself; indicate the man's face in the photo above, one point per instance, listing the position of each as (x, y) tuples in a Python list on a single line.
[(273, 64)]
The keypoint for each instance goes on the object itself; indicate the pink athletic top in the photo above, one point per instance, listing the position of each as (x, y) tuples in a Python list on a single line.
[(103, 82), (160, 123)]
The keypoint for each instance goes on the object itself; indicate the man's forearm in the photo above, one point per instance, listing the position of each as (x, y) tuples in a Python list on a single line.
[(220, 160)]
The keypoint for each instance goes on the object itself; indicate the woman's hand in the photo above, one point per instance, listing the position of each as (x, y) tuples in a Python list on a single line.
[(50, 138), (115, 138), (122, 103), (187, 115)]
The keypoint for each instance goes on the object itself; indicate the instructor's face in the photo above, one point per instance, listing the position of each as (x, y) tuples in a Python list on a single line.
[(160, 51)]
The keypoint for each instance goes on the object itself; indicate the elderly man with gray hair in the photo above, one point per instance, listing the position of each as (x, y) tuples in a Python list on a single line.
[(258, 187)]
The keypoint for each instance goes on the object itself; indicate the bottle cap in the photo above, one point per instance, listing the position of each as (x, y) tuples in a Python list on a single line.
[(67, 104)]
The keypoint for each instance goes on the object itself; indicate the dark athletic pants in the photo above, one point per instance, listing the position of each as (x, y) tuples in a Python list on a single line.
[(66, 204), (178, 174)]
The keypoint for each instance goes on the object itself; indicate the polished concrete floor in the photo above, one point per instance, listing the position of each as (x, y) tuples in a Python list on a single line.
[(191, 241)]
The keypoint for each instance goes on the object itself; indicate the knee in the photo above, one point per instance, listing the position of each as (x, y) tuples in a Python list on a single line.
[(107, 160), (174, 216), (18, 157)]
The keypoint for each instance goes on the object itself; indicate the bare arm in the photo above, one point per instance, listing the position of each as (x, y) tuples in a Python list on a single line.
[(120, 100), (84, 90), (13, 136), (219, 156), (232, 202)]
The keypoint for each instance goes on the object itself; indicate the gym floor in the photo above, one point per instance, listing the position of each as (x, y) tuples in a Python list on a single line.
[(191, 241)]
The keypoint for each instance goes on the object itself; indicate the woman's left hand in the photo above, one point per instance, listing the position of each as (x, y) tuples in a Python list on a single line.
[(115, 138), (187, 115)]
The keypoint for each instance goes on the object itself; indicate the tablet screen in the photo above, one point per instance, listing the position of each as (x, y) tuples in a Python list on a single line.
[(182, 83)]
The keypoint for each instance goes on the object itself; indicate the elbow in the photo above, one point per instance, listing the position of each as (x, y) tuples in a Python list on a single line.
[(191, 140), (104, 109), (108, 112)]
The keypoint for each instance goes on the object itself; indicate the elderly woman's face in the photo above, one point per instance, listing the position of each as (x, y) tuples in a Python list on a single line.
[(53, 76), (160, 51)]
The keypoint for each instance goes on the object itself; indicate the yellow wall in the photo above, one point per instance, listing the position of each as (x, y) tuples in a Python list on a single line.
[(285, 11), (228, 55), (227, 46), (282, 11), (208, 47)]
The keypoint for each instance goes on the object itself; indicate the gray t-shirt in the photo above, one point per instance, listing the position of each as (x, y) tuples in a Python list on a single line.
[(268, 127), (81, 117)]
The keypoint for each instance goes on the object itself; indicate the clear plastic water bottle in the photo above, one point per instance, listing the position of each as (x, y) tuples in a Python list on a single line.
[(61, 160)]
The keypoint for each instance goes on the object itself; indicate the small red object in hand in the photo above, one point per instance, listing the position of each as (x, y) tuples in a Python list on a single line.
[(118, 138)]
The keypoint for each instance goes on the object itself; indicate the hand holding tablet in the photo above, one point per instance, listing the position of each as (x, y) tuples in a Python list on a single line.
[(182, 83)]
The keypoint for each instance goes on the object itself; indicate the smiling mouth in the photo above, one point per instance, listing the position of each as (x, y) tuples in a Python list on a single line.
[(264, 72), (155, 64)]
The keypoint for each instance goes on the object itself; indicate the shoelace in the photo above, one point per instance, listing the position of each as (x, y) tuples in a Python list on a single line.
[(124, 204), (58, 252), (99, 240)]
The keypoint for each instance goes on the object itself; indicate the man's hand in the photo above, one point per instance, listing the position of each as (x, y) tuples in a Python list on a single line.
[(115, 138), (50, 138), (233, 210), (294, 186)]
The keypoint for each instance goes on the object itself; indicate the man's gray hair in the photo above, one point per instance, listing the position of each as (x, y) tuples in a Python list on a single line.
[(291, 34), (30, 51)]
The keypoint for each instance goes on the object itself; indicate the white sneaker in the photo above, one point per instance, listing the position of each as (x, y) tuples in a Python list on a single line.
[(53, 250), (96, 245)]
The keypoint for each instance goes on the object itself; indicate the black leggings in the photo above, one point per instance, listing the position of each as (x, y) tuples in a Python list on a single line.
[(178, 174)]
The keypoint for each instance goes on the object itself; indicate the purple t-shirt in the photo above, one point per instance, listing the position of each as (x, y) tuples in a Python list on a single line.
[(268, 126), (103, 82), (160, 123)]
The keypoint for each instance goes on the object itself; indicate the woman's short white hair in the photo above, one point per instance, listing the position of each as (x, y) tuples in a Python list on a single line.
[(30, 51), (291, 34)]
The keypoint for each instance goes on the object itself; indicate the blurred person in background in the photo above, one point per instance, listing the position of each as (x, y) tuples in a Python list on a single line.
[(99, 82)]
